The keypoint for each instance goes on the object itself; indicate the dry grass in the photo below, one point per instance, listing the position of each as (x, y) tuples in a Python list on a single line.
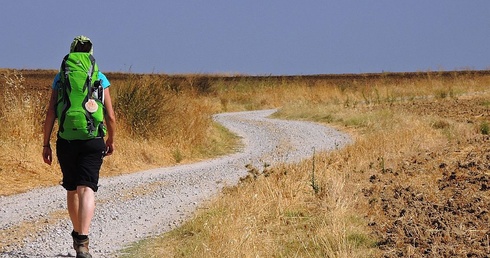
[(21, 113), (403, 126)]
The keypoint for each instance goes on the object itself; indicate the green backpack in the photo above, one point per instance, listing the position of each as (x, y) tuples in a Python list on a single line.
[(80, 108)]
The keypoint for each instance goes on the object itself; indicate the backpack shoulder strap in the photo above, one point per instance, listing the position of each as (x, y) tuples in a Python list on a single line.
[(90, 71), (89, 83), (64, 84)]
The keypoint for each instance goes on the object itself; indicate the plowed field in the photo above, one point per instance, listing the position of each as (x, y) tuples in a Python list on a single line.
[(436, 203)]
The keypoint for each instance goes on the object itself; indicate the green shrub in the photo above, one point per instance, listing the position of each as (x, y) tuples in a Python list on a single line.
[(485, 128)]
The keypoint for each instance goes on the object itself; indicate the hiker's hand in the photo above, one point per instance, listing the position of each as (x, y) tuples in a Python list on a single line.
[(47, 155), (109, 147)]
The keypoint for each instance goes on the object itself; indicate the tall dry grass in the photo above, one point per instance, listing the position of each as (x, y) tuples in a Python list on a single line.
[(22, 116), (160, 118)]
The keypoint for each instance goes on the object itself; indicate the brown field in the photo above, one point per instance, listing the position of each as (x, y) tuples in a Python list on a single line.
[(414, 184), (435, 202)]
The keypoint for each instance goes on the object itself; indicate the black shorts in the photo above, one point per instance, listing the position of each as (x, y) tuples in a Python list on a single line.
[(80, 162)]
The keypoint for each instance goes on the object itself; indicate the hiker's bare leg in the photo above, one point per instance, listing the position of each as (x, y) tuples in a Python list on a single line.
[(81, 208), (86, 208), (73, 204)]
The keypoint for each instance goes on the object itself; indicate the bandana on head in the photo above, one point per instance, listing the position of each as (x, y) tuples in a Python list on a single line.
[(80, 39)]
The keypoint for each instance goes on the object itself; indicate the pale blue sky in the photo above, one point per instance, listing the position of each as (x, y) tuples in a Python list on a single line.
[(250, 37)]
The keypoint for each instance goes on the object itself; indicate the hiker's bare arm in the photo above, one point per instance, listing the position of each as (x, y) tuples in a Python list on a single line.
[(48, 128), (110, 120)]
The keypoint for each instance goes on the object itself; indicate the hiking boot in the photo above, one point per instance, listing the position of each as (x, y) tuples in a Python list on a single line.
[(74, 235), (81, 247)]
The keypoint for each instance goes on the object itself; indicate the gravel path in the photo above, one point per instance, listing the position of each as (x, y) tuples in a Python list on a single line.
[(135, 206)]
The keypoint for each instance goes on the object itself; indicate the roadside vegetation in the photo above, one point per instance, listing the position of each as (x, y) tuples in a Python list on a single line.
[(413, 183)]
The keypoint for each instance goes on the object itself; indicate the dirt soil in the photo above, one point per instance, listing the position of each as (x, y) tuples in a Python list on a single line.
[(436, 204)]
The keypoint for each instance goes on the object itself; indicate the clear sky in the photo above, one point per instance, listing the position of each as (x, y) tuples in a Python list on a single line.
[(254, 37)]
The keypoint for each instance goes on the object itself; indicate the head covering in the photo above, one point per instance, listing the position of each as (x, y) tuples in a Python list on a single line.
[(81, 40)]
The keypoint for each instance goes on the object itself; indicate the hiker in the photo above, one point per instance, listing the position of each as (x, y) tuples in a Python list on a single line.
[(81, 102)]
